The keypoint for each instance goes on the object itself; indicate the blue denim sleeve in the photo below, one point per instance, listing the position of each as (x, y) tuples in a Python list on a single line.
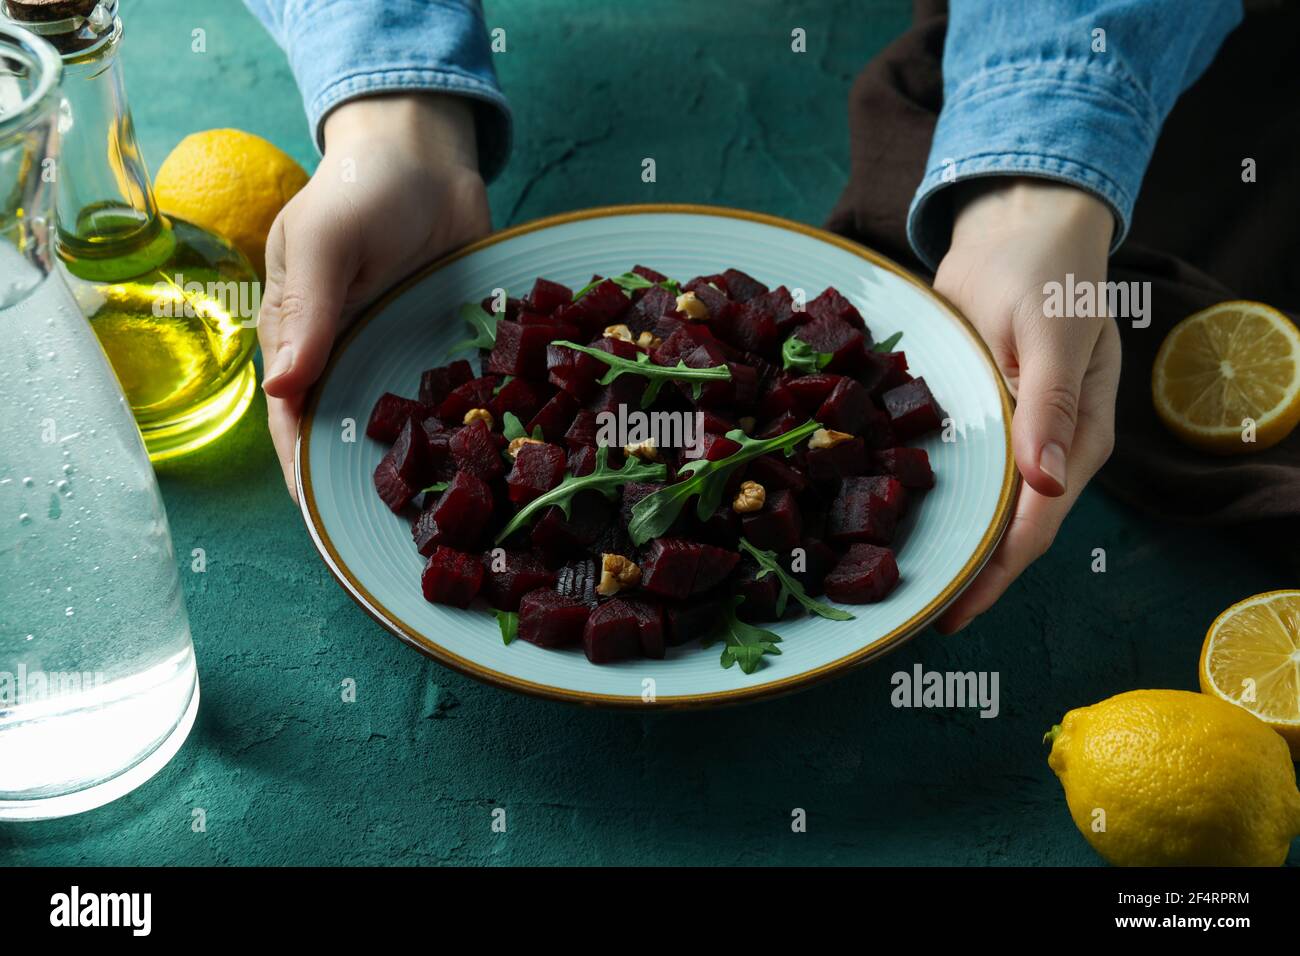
[(1070, 90), (342, 49)]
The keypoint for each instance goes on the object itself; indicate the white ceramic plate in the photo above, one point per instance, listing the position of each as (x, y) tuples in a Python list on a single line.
[(948, 536)]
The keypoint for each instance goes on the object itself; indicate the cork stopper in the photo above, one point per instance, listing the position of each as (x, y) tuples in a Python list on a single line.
[(48, 11)]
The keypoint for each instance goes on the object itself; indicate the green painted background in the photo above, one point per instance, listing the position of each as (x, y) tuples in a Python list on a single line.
[(410, 773)]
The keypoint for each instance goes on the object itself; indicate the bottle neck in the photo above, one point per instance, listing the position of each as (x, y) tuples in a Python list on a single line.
[(105, 207)]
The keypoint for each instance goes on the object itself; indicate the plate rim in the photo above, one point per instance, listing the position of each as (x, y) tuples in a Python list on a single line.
[(425, 645)]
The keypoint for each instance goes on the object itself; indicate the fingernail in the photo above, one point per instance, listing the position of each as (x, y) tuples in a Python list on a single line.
[(1051, 461), (282, 363)]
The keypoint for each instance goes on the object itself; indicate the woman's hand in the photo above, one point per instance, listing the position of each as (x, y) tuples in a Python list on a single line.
[(1010, 238), (397, 187)]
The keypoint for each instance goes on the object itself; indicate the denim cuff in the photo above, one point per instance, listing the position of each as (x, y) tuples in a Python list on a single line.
[(1080, 122)]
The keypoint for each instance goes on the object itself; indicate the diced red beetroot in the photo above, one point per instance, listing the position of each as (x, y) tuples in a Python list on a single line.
[(831, 303), (582, 461), (742, 287), (760, 594), (473, 394), (683, 340), (836, 337), (818, 559), (781, 424), (721, 309), (912, 409), (676, 568), (712, 447), (778, 526), (457, 517), (633, 492), (436, 383), (649, 627), (390, 413), (693, 620), (578, 580), (883, 371), (741, 391), (864, 575), (722, 528), (651, 275), (549, 619), (826, 466), (474, 450), (405, 468), (650, 307), (512, 307), (911, 466), (612, 633), (557, 537), (451, 577), (866, 509), (778, 400), (623, 393), (555, 417), (537, 469), (714, 423), (774, 473), (547, 296), (847, 408), (668, 567), (578, 373), (519, 397), (877, 430), (582, 433), (811, 390), (509, 575), (781, 306), (602, 306), (753, 327), (521, 349)]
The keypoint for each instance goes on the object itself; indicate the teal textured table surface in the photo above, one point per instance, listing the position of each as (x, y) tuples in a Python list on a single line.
[(286, 771)]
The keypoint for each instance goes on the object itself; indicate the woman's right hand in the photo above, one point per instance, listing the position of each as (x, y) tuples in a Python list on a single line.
[(397, 187)]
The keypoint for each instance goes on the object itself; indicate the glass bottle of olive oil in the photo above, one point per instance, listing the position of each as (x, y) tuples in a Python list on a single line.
[(174, 306)]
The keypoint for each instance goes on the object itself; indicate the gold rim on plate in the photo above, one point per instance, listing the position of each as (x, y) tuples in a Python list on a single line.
[(409, 635)]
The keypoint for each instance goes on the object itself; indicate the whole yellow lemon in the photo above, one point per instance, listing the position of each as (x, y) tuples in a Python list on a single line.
[(1175, 778), (232, 183)]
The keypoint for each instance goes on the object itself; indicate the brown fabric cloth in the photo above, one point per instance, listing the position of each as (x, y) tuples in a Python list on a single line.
[(1199, 235)]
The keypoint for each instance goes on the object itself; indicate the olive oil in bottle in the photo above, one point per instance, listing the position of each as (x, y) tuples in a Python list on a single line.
[(173, 305)]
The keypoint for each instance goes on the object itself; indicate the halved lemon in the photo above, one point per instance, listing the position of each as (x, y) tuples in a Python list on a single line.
[(1224, 368), (1251, 658)]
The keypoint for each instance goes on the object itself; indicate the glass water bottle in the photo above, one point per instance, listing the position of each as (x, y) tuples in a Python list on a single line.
[(97, 681), (174, 306)]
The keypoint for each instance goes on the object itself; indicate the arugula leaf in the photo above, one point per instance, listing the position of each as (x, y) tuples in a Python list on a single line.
[(629, 282), (888, 344), (743, 644), (657, 374), (791, 587), (798, 356), (604, 479), (482, 323), (654, 514), (512, 428), (508, 621), (504, 382), (439, 486)]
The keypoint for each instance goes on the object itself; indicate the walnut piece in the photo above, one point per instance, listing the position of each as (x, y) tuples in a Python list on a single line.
[(645, 450), (479, 415), (750, 498), (513, 448), (693, 306), (617, 573), (648, 340), (619, 331), (826, 438)]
